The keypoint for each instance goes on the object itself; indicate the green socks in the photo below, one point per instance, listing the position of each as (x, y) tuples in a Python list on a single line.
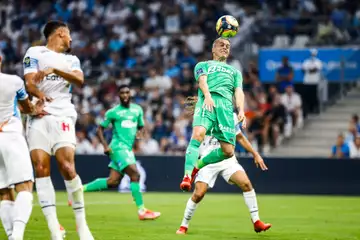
[(137, 195), (191, 156), (96, 185), (214, 156)]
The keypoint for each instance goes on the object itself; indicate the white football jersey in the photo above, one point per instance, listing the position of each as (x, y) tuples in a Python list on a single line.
[(40, 58), (210, 142), (12, 89)]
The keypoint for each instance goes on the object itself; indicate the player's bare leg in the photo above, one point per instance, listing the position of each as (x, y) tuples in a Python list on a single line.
[(241, 179), (7, 198), (194, 200), (46, 192), (144, 214), (66, 163), (191, 156)]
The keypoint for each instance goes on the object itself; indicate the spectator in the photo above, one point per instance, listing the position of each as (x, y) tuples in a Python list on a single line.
[(355, 120), (340, 149), (355, 147), (284, 74), (83, 145), (148, 145), (292, 103)]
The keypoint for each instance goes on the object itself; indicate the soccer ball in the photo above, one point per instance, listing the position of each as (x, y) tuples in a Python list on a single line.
[(227, 26)]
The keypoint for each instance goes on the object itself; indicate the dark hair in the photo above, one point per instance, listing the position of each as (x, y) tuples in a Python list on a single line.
[(123, 86), (52, 26)]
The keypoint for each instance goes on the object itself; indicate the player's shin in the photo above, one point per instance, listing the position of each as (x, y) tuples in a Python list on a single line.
[(251, 203), (96, 185), (22, 212), (189, 212), (137, 195), (191, 156), (216, 155), (74, 188), (47, 200), (6, 215)]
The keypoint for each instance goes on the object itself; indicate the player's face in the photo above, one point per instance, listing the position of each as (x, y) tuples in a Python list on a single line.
[(222, 48), (65, 35), (124, 95)]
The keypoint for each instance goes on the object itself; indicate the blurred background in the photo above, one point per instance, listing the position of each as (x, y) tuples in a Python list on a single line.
[(299, 58)]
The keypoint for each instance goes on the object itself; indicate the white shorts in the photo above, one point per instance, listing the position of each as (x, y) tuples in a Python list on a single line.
[(50, 133), (15, 163), (225, 168)]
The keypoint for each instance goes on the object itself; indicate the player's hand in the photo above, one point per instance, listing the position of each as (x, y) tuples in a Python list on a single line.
[(48, 71), (209, 103), (242, 119), (259, 162), (107, 151)]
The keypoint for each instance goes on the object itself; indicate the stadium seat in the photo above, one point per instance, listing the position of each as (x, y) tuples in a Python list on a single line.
[(300, 41), (281, 41)]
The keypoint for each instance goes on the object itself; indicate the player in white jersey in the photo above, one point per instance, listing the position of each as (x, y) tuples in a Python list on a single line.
[(232, 172), (15, 163), (49, 73)]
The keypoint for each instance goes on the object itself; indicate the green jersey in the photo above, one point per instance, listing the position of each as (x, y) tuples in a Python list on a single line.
[(221, 78), (125, 122)]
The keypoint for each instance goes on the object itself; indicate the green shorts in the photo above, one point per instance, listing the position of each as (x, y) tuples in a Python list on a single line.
[(121, 159), (220, 122)]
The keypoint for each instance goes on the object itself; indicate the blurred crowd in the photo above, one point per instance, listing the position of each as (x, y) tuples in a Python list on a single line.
[(348, 145), (152, 46)]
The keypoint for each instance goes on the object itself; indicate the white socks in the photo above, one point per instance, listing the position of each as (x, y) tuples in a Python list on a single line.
[(22, 211), (75, 190), (251, 203), (6, 215), (46, 194), (189, 212)]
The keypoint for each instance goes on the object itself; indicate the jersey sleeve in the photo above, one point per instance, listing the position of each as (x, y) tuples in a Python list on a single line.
[(30, 61), (141, 118), (75, 64), (200, 69), (107, 119), (238, 80), (21, 93)]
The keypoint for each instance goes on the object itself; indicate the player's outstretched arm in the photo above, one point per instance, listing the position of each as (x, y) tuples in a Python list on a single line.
[(208, 101), (248, 147)]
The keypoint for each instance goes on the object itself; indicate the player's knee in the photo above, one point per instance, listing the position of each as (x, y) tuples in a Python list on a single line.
[(41, 170), (68, 170), (113, 182), (246, 186), (135, 177), (198, 134), (228, 152), (197, 196)]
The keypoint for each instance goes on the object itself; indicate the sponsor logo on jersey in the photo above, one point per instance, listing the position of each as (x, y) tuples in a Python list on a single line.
[(54, 77), (199, 71), (214, 69), (128, 124)]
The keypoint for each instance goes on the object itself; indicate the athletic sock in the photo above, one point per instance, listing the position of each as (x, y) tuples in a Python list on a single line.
[(137, 195), (74, 188), (189, 212), (216, 155), (6, 215), (46, 195), (251, 203), (96, 185), (22, 212), (191, 156)]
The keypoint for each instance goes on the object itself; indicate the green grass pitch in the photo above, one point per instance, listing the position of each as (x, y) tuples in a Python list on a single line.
[(112, 215)]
